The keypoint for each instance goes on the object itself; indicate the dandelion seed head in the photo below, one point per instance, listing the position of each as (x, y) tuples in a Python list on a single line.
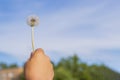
[(33, 20)]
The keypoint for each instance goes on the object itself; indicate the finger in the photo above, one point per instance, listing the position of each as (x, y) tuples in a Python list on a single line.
[(31, 54), (52, 74), (48, 58), (38, 51)]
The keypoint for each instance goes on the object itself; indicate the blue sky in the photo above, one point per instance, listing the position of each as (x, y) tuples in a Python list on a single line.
[(90, 28)]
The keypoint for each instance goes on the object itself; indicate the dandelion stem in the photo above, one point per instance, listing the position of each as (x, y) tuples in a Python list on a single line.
[(32, 37)]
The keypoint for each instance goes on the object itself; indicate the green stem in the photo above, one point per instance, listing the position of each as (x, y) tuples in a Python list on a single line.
[(32, 37)]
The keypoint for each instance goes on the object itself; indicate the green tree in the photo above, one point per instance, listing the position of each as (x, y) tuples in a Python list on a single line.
[(3, 66), (13, 66), (62, 74)]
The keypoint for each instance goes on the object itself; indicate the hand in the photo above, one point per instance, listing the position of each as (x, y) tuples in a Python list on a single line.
[(39, 67)]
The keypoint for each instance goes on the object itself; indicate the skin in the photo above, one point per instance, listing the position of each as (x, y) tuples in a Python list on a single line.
[(38, 66)]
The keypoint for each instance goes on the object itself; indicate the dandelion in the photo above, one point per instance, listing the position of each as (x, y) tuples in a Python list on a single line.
[(32, 21)]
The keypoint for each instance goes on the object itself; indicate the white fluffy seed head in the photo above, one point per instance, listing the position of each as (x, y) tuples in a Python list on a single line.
[(33, 20)]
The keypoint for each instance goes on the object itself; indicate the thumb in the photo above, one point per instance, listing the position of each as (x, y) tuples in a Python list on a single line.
[(38, 51)]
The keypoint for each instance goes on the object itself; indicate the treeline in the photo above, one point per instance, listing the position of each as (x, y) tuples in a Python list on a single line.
[(5, 66), (72, 68)]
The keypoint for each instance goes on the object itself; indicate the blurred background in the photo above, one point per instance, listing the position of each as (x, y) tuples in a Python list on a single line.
[(82, 37)]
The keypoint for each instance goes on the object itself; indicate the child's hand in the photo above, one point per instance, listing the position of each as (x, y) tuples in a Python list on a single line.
[(39, 67)]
